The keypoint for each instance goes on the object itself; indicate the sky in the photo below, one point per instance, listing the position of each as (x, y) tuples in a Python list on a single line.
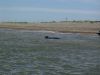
[(49, 10)]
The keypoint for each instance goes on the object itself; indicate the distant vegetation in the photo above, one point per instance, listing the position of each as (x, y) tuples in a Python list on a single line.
[(76, 21), (17, 22)]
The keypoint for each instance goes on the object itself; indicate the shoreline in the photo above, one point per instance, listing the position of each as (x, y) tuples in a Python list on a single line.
[(51, 31), (83, 28)]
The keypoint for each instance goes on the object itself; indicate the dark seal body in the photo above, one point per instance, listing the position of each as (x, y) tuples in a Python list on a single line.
[(48, 37)]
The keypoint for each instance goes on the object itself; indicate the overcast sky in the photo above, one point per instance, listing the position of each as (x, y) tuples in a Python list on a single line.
[(48, 10)]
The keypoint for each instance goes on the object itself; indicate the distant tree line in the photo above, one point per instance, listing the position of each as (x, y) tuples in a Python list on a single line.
[(74, 21), (16, 22)]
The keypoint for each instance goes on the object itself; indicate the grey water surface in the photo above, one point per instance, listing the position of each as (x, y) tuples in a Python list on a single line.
[(27, 52)]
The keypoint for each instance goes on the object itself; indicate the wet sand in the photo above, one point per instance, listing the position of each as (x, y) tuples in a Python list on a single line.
[(64, 27)]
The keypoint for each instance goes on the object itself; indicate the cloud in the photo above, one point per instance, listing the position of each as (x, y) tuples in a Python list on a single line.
[(51, 10)]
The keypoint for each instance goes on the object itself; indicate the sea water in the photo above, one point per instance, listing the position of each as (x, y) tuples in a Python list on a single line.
[(27, 52)]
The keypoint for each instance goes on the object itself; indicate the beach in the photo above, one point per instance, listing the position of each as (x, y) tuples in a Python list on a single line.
[(64, 27)]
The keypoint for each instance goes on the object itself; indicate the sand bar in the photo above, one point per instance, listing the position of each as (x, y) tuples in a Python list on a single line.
[(65, 27)]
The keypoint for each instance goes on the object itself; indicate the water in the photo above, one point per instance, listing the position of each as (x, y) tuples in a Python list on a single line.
[(25, 52)]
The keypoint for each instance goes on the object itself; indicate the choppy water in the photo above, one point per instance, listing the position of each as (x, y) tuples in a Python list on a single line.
[(24, 52)]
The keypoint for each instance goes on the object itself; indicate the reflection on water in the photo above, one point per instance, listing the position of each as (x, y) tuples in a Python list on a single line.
[(24, 52)]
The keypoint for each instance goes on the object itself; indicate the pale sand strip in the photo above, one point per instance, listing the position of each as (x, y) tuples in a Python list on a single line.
[(68, 27)]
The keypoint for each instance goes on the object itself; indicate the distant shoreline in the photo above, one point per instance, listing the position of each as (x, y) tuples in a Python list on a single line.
[(68, 27)]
